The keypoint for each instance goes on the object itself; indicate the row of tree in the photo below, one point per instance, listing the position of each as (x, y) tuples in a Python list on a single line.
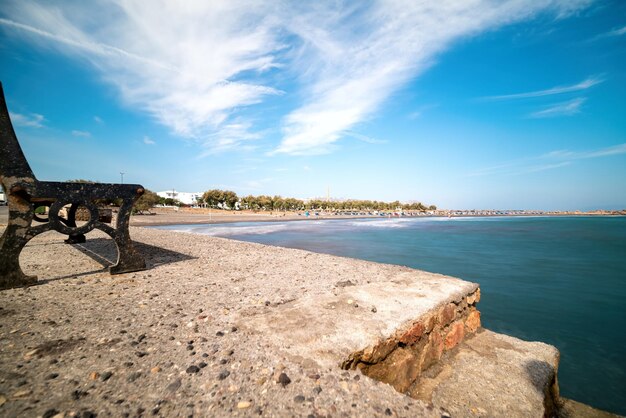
[(227, 199)]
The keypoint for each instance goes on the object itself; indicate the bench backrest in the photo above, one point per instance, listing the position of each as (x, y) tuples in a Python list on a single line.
[(12, 160)]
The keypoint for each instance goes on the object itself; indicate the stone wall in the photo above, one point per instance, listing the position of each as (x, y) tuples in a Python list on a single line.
[(402, 358)]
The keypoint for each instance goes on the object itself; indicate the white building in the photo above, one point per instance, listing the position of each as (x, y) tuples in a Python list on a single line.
[(188, 198)]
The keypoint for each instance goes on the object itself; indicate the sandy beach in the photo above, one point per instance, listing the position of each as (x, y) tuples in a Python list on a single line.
[(168, 216), (186, 216)]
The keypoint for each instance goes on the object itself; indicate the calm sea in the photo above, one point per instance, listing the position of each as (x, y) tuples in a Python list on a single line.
[(561, 280)]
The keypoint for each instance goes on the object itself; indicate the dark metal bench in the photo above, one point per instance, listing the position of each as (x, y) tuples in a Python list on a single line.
[(25, 194)]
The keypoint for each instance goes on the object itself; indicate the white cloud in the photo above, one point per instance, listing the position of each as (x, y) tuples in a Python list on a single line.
[(81, 134), (148, 141), (356, 57), (32, 120), (541, 167), (98, 120), (610, 34), (188, 65), (243, 169), (583, 85), (548, 161), (583, 155), (229, 137), (364, 138), (195, 66), (416, 114), (617, 32), (568, 108), (256, 184)]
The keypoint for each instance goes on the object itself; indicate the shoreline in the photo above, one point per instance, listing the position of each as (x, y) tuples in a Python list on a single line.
[(185, 218)]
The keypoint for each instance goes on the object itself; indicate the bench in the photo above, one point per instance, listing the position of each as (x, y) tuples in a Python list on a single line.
[(25, 195)]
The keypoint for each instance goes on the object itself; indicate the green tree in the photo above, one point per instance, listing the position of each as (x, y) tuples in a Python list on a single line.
[(247, 202), (168, 201), (146, 202), (212, 197), (229, 199), (264, 202), (224, 198), (278, 203)]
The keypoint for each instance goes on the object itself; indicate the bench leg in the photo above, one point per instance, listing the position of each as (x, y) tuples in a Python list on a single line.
[(71, 222), (129, 259), (13, 240)]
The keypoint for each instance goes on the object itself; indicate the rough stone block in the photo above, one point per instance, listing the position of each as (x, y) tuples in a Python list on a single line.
[(432, 352), (413, 334), (400, 369), (455, 335), (447, 314), (378, 352), (474, 298), (472, 322), (430, 323)]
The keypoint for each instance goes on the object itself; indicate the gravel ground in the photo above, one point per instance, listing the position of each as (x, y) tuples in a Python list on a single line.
[(165, 341)]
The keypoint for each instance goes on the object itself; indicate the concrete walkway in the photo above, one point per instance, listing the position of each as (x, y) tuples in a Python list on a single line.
[(217, 327)]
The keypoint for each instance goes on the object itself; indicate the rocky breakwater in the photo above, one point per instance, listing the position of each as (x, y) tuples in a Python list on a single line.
[(413, 348), (420, 333)]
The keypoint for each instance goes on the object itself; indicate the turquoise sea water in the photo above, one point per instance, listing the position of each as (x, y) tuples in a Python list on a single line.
[(561, 280)]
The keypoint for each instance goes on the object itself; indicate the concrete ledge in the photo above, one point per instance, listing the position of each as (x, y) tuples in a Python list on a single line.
[(494, 375), (400, 359), (389, 330)]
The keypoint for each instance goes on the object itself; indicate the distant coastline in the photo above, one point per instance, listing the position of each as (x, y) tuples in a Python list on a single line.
[(190, 216)]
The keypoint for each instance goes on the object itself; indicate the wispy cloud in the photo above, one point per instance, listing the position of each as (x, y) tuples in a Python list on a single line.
[(541, 167), (420, 111), (617, 32), (32, 120), (198, 66), (583, 85), (81, 134), (243, 169), (257, 184), (365, 138), (98, 120), (229, 137), (548, 161), (610, 34), (79, 42), (190, 80), (583, 155), (568, 108), (356, 57), (148, 141)]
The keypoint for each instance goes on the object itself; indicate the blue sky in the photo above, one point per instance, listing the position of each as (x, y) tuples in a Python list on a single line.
[(462, 104)]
